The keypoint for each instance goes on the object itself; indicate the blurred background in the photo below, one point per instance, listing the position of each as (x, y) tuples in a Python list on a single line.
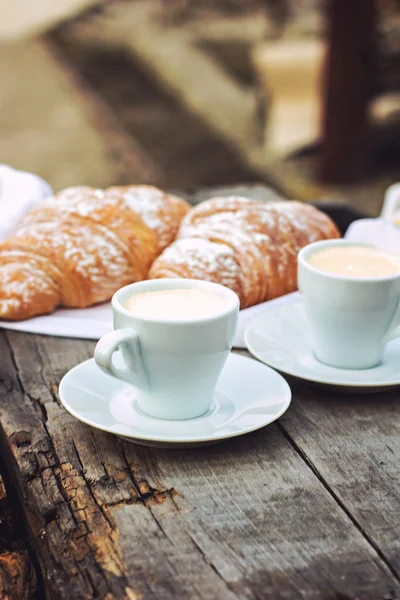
[(303, 95)]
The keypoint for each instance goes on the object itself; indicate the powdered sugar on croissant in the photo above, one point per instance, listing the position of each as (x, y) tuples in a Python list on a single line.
[(195, 258), (258, 242), (160, 211), (78, 247)]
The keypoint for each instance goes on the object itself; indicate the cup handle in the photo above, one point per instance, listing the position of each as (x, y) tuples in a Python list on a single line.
[(132, 369)]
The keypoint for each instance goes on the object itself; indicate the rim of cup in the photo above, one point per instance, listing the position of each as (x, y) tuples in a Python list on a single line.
[(169, 283), (307, 251)]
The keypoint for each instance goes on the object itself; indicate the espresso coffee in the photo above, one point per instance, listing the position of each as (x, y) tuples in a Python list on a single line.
[(176, 304), (355, 261)]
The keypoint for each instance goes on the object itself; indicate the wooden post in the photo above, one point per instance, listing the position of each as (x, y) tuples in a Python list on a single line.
[(347, 89)]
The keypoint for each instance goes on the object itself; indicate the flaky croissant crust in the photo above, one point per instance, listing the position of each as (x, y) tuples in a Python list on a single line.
[(77, 248), (250, 247)]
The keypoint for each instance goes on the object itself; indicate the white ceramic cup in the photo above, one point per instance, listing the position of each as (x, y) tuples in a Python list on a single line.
[(351, 319), (173, 364)]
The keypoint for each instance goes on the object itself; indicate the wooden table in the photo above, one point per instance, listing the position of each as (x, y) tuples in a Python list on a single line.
[(305, 508)]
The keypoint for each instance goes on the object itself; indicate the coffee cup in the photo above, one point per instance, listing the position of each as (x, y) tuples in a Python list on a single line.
[(173, 360), (352, 315)]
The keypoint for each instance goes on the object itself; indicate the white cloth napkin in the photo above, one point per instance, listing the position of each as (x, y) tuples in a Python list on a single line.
[(381, 233), (20, 191)]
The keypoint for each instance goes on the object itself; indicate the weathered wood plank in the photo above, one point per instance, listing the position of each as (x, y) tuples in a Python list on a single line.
[(247, 519), (48, 128), (73, 535), (353, 444), (260, 519)]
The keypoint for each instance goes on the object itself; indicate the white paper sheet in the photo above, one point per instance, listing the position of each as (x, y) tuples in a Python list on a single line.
[(92, 323)]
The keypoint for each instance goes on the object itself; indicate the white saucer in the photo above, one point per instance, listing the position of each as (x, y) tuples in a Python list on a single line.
[(249, 396), (280, 337)]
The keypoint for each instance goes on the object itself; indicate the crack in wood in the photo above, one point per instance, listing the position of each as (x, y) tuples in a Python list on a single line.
[(49, 470), (20, 575), (14, 363), (209, 562), (6, 384), (21, 439), (390, 450), (106, 559), (98, 503), (37, 404), (148, 495)]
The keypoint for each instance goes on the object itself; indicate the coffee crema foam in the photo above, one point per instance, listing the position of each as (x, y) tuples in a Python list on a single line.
[(177, 304), (356, 261)]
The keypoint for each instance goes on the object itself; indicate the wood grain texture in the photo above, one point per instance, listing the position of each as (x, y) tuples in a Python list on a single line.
[(17, 575), (353, 445), (246, 519)]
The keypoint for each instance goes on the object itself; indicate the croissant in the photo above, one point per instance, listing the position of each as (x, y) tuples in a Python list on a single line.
[(250, 247), (78, 247)]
